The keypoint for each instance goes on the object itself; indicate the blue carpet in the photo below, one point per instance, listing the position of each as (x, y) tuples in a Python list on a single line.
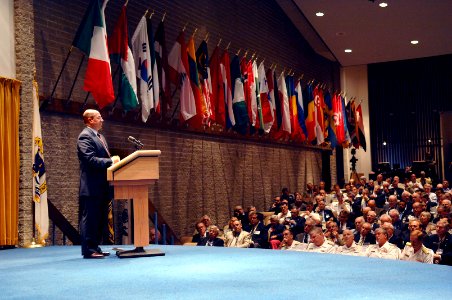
[(215, 273)]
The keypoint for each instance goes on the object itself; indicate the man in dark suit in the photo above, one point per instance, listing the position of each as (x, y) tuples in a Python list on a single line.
[(257, 230), (212, 239), (94, 193), (366, 236)]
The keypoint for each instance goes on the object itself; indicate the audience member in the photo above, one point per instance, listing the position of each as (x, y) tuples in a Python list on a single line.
[(350, 247), (415, 250), (318, 243), (202, 232), (212, 240), (257, 231), (383, 249), (238, 237), (288, 243)]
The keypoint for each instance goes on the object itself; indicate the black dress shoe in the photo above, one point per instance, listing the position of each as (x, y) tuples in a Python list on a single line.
[(93, 255), (106, 253)]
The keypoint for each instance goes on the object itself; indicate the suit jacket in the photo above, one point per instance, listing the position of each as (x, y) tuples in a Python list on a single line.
[(433, 243), (328, 215), (259, 236), (277, 230), (94, 161), (217, 242), (369, 239), (242, 241)]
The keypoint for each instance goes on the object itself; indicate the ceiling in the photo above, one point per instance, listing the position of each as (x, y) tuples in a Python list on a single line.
[(373, 33)]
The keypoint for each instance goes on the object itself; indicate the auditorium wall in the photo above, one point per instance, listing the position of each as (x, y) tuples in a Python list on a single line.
[(200, 173)]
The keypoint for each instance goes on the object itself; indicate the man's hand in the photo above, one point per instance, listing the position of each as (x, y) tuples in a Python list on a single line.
[(115, 159)]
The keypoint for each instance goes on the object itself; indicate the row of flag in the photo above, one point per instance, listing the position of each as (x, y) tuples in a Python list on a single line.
[(231, 92)]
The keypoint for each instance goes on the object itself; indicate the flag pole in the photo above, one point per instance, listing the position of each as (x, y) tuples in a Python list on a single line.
[(75, 80), (49, 100)]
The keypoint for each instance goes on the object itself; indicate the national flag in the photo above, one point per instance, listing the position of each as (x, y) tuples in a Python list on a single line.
[(202, 60), (91, 39), (331, 126), (201, 108), (39, 174), (246, 69), (225, 69), (155, 75), (218, 96), (259, 117), (297, 133), (276, 134), (265, 99), (319, 117), (338, 119), (118, 47), (300, 107), (178, 68), (252, 76), (285, 109), (351, 122), (238, 98), (161, 57), (311, 114), (143, 65), (347, 140), (360, 122)]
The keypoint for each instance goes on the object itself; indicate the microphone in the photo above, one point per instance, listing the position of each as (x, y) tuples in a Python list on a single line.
[(136, 142)]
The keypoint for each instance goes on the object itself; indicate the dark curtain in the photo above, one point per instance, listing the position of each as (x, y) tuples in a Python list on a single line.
[(405, 99)]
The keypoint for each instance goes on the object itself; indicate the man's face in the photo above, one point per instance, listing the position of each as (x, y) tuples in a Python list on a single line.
[(365, 229), (201, 228), (253, 219), (381, 238), (287, 237), (379, 178), (358, 223), (321, 205), (415, 241), (441, 228), (96, 121), (371, 216), (446, 203), (394, 217), (414, 225), (317, 239), (294, 213), (284, 207), (332, 227), (237, 226), (424, 219), (417, 208), (348, 237), (392, 201), (213, 233), (308, 227)]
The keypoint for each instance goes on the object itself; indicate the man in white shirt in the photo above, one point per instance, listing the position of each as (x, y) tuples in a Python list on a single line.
[(415, 250), (350, 247), (383, 249)]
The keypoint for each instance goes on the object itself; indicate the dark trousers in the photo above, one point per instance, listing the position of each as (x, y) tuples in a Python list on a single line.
[(93, 224)]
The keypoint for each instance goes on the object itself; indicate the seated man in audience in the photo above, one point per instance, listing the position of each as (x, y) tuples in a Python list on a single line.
[(426, 225), (285, 213), (202, 232), (240, 214), (326, 214), (415, 250), (257, 231), (295, 223), (366, 236), (441, 243), (344, 221), (304, 236), (332, 233), (229, 227), (318, 243), (393, 203), (212, 240), (350, 247), (339, 205), (275, 207), (359, 221), (274, 232), (237, 238), (394, 236), (441, 213), (372, 219), (152, 235), (414, 224), (383, 249), (288, 243), (396, 222)]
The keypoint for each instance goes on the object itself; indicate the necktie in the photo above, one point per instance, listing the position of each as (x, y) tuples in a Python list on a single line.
[(103, 143), (306, 238)]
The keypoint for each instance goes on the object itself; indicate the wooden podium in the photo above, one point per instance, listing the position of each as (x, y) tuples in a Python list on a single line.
[(131, 178)]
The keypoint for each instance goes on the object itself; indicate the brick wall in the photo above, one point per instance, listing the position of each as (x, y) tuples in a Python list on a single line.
[(199, 173)]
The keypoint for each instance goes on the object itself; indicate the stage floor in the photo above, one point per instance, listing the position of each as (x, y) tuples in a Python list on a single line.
[(59, 272)]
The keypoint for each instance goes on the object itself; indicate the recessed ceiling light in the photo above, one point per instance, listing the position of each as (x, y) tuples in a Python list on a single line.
[(414, 42), (383, 4), (319, 14), (348, 50)]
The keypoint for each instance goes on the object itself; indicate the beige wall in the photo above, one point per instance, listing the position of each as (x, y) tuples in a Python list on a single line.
[(7, 56), (354, 83)]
